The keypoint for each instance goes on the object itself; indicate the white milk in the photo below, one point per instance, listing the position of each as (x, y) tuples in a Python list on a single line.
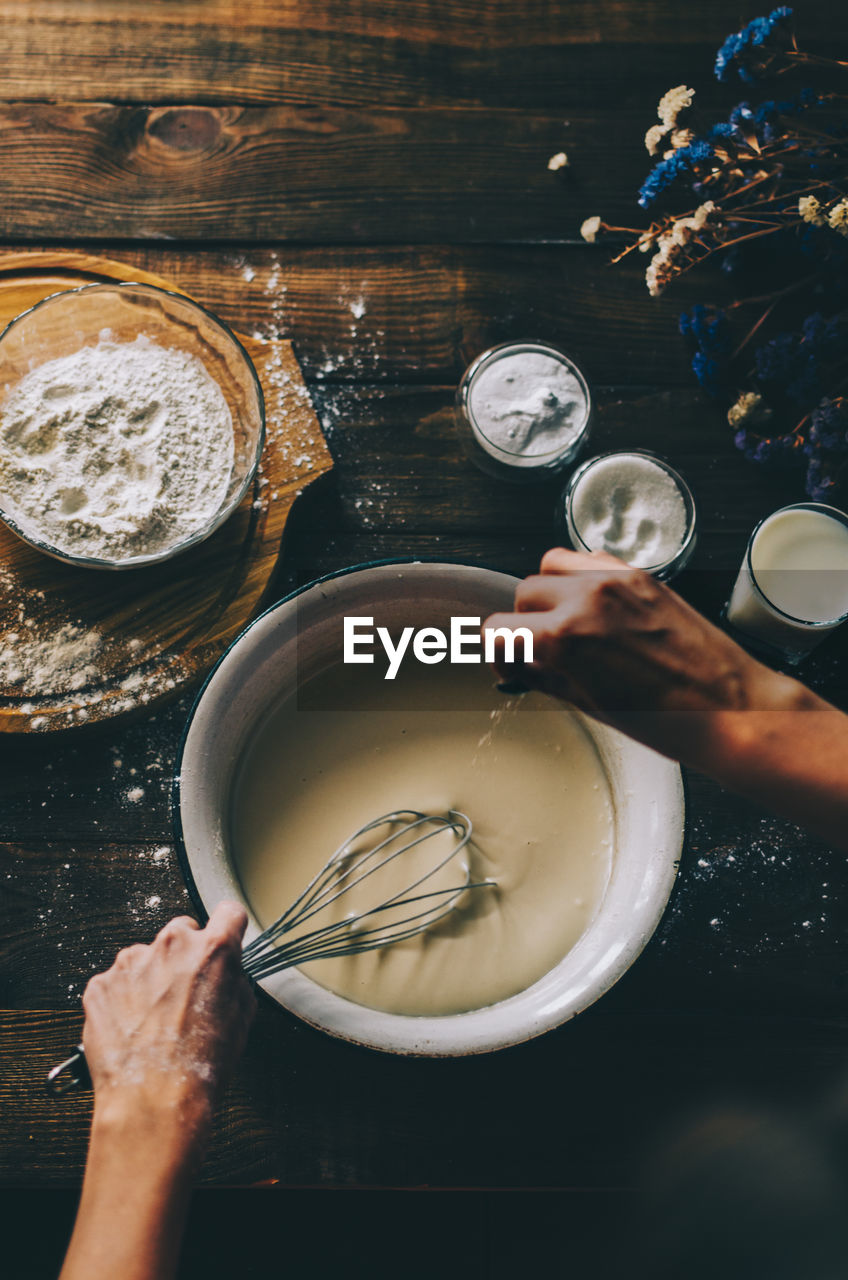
[(798, 560), (525, 770)]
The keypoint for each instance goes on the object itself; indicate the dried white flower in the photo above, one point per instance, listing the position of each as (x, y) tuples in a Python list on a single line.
[(811, 211), (702, 214), (838, 217), (750, 407), (658, 275), (673, 103), (559, 161), (654, 137), (590, 229), (671, 246), (685, 229), (681, 138), (661, 267)]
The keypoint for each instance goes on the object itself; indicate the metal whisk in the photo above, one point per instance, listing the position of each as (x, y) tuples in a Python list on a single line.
[(378, 926), (402, 915)]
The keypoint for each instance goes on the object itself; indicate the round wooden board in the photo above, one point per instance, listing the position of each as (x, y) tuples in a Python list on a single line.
[(79, 646)]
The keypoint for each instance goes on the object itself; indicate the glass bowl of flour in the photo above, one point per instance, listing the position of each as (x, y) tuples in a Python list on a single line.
[(131, 425)]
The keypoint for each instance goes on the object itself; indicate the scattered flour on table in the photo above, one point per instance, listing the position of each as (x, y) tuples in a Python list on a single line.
[(116, 451), (63, 660), (48, 662)]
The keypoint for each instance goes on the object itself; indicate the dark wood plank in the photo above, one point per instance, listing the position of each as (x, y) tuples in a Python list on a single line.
[(493, 1233), (321, 174), (48, 892), (409, 314), (309, 1111), (86, 786), (559, 54), (401, 467)]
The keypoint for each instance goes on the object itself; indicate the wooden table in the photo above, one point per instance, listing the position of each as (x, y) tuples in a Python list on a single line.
[(370, 180)]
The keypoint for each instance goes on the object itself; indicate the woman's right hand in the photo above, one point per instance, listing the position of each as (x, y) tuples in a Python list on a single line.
[(629, 651)]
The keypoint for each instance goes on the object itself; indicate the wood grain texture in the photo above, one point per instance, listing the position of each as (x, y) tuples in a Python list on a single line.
[(419, 314), (162, 627), (306, 173), (408, 1123), (555, 54)]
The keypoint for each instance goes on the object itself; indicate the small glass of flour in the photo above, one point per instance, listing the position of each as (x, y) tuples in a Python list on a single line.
[(131, 424), (635, 506), (523, 409)]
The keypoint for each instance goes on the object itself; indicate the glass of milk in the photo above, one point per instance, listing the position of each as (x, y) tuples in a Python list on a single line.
[(523, 410), (633, 505), (792, 588)]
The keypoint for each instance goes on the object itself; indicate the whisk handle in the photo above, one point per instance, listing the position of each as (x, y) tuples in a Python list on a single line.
[(70, 1074)]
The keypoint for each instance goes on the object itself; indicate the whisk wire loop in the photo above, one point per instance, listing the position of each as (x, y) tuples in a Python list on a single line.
[(267, 954)]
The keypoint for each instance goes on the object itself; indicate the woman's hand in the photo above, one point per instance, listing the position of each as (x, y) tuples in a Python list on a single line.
[(167, 1023), (163, 1029), (629, 651)]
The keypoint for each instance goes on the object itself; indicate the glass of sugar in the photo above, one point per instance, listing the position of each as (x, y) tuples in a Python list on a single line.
[(523, 410), (633, 505), (792, 588)]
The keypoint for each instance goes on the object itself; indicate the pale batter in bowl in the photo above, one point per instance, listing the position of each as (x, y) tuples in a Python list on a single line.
[(350, 746), (643, 802)]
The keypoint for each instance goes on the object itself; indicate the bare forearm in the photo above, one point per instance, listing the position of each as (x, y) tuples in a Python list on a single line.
[(134, 1200), (792, 758)]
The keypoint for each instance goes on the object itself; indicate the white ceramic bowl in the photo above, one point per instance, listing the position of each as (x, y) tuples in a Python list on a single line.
[(260, 667)]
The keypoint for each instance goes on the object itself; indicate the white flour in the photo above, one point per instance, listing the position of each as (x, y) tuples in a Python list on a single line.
[(527, 403), (64, 660), (117, 451)]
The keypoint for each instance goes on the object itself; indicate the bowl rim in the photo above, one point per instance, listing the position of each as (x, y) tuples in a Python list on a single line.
[(159, 557), (411, 1030)]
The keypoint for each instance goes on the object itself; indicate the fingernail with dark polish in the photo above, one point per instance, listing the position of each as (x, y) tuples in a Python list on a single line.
[(512, 687)]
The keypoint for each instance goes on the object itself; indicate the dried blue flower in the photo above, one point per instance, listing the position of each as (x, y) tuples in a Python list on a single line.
[(775, 360), (711, 328), (740, 51), (709, 372), (828, 427), (823, 336), (742, 115), (681, 163), (806, 387), (818, 482), (768, 113), (723, 130)]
